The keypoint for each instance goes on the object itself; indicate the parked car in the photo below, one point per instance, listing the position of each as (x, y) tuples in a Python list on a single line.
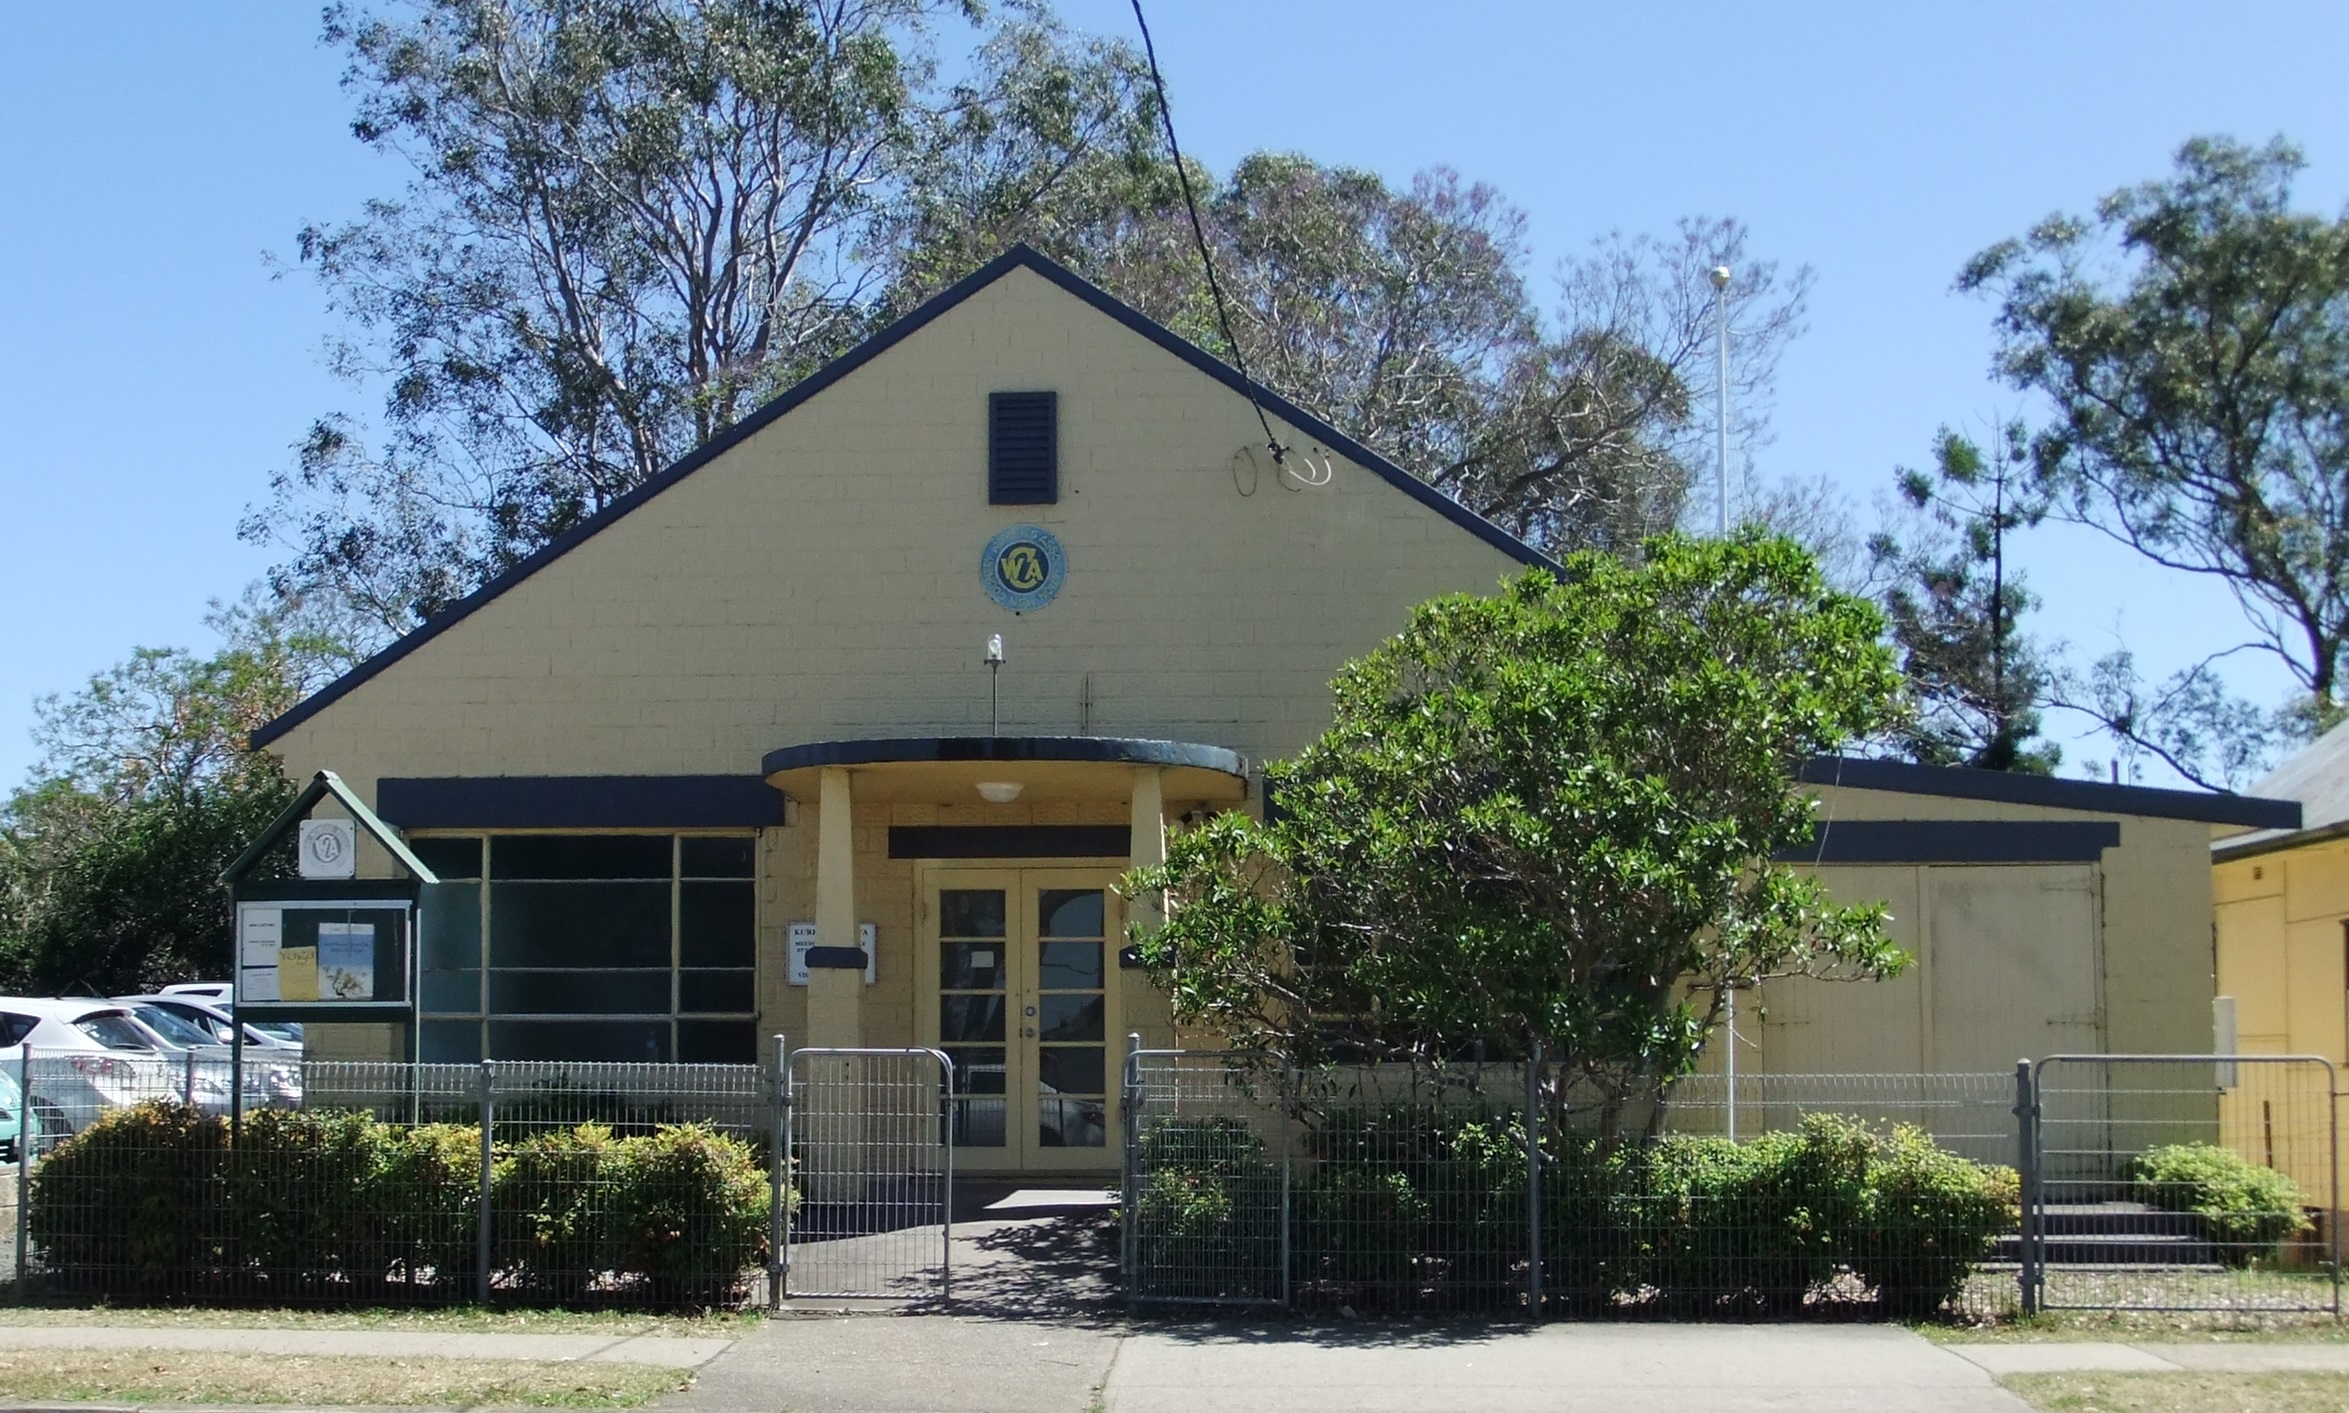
[(221, 995), (273, 1069), (48, 1122), (214, 1020), (90, 1055)]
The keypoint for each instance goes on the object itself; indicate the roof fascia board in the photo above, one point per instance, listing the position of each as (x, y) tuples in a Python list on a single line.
[(2008, 787), (1019, 257)]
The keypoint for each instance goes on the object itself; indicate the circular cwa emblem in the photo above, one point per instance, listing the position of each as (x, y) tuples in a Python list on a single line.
[(1022, 568)]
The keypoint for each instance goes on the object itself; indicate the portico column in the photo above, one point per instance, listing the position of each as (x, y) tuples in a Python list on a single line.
[(836, 964), (1148, 848)]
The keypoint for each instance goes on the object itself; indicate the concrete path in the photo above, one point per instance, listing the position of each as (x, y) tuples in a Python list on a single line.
[(965, 1364), (660, 1350)]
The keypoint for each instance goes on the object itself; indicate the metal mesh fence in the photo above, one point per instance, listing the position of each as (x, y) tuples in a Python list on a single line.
[(2184, 1183), (873, 1166), (1395, 1188), (1206, 1194), (355, 1182)]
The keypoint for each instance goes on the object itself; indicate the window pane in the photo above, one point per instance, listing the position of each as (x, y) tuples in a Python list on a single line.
[(978, 1070), (1070, 1018), (451, 1042), (970, 912), (456, 992), (523, 993), (970, 966), (1072, 1123), (1069, 912), (450, 919), (717, 1042), (1070, 966), (1074, 1069), (707, 991), (715, 926), (716, 858), (643, 1041), (450, 858), (970, 1018), (579, 924), (579, 856)]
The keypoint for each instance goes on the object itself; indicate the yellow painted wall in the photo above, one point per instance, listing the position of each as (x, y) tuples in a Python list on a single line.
[(820, 581), (2281, 943), (2010, 961)]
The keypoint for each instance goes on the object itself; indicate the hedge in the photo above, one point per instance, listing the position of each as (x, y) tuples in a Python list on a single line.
[(153, 1201), (1396, 1208), (2244, 1208)]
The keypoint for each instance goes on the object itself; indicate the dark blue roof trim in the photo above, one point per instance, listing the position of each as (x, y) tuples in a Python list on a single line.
[(1958, 841), (1019, 257), (1107, 749), (580, 802), (1959, 782), (1010, 841)]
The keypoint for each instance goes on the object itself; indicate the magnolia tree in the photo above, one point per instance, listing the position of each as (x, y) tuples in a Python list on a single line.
[(1547, 816)]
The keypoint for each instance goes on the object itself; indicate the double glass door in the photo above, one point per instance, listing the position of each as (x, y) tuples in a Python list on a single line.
[(1021, 969)]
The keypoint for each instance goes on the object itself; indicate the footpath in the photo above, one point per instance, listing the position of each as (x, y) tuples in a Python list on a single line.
[(982, 1364)]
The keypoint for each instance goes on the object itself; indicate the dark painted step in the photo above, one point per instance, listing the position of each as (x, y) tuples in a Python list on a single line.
[(2115, 1234)]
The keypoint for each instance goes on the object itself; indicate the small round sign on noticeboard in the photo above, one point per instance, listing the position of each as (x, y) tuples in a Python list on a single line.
[(1022, 567)]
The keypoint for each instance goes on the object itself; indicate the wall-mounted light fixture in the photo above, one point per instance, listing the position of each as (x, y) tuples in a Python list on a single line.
[(999, 792)]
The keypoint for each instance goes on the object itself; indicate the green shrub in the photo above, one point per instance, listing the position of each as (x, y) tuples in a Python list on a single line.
[(153, 1201), (428, 1195), (689, 1213), (1398, 1207), (1930, 1217), (1207, 1210), (551, 1211), (131, 1204), (1753, 1223), (2246, 1207)]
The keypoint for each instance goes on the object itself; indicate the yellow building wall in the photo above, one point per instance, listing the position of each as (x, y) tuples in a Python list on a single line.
[(2281, 949), (821, 581), (2008, 961)]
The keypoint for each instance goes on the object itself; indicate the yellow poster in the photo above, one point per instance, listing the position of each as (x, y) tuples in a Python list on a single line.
[(297, 973)]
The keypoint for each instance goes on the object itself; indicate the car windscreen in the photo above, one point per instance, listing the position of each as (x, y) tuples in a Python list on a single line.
[(172, 1028), (113, 1029)]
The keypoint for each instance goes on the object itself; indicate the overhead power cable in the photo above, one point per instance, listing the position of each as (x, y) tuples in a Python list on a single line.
[(1223, 315)]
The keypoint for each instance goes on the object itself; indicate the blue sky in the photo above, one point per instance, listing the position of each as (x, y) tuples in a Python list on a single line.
[(154, 373)]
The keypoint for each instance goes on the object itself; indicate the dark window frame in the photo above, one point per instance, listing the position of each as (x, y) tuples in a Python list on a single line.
[(1023, 448)]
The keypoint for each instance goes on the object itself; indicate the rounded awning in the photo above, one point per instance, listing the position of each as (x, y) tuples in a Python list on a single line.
[(1046, 767)]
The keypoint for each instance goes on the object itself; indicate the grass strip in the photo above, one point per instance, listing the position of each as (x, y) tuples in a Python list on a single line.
[(2183, 1393), (174, 1376), (432, 1319)]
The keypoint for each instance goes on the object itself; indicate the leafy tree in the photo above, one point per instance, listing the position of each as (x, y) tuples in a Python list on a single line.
[(2192, 337), (628, 224), (1545, 816), (631, 222), (1955, 607), (110, 857)]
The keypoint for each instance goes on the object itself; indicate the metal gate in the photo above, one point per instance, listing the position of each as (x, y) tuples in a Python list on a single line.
[(1206, 1177), (2181, 1182), (870, 1211)]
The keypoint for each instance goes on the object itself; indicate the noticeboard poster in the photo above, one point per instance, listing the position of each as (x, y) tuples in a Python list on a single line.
[(305, 952)]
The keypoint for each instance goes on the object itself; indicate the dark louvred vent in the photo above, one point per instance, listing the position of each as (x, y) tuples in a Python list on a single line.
[(1023, 448)]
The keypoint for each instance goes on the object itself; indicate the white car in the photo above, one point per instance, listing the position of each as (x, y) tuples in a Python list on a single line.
[(86, 1056), (221, 996), (214, 1020), (273, 1067)]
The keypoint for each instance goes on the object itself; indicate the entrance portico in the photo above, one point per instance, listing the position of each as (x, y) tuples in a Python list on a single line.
[(996, 852)]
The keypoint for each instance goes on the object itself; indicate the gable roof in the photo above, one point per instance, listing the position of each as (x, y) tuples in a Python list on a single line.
[(2317, 776), (1019, 257), (325, 783)]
